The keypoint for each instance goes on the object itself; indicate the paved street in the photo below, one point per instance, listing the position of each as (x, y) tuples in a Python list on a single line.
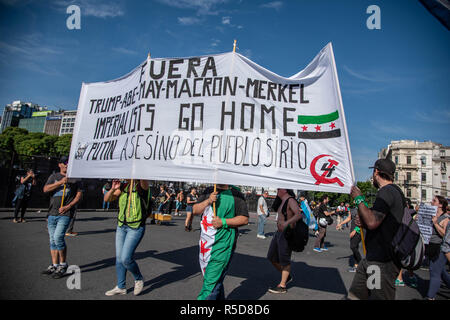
[(168, 259)]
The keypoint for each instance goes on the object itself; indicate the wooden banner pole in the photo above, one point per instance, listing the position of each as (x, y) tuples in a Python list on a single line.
[(214, 203), (62, 199), (130, 190), (362, 241)]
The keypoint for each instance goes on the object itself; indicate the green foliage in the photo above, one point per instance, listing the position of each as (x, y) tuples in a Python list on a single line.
[(368, 190), (18, 140), (9, 137), (62, 145), (366, 187)]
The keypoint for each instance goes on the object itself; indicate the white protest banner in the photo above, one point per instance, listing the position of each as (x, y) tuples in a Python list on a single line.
[(424, 215), (216, 119)]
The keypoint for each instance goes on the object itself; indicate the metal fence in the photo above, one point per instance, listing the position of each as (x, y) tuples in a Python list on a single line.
[(12, 166)]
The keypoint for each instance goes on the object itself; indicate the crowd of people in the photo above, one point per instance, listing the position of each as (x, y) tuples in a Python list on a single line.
[(223, 210)]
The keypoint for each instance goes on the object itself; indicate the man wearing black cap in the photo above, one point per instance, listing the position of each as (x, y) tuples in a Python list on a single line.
[(64, 196), (376, 274)]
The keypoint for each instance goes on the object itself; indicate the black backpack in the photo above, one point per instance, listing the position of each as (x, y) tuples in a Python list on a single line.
[(408, 245), (297, 237)]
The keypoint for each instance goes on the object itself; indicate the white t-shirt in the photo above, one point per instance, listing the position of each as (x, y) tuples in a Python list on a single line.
[(262, 202)]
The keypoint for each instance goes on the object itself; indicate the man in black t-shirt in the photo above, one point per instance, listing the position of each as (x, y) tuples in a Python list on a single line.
[(64, 196), (376, 274)]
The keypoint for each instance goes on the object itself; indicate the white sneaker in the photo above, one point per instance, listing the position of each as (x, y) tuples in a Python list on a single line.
[(116, 291), (138, 286), (261, 236)]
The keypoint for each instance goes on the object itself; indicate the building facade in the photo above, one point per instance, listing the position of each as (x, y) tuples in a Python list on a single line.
[(33, 124), (14, 112), (53, 125), (36, 123), (420, 168), (68, 122)]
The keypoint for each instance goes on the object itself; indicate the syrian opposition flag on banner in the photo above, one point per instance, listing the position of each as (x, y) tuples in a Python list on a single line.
[(216, 245), (323, 126)]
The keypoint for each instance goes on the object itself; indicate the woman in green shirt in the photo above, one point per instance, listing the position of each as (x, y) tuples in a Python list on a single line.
[(132, 196)]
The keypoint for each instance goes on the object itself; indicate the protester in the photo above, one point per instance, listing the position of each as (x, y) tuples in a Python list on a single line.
[(190, 201), (263, 213), (179, 202), (322, 213), (279, 253), (445, 248), (355, 236), (163, 198), (23, 194), (381, 223), (346, 213), (106, 187), (433, 249), (340, 215), (64, 196), (172, 196), (132, 197), (219, 236)]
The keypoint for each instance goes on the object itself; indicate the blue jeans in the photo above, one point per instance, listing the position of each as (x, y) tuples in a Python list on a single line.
[(162, 207), (127, 240), (438, 273), (261, 223), (57, 227)]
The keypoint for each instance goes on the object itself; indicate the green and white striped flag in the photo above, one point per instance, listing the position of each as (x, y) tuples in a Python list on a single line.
[(323, 126)]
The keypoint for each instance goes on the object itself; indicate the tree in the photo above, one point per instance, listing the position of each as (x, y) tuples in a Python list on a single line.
[(368, 190), (35, 143), (22, 142), (366, 187), (9, 136), (62, 145)]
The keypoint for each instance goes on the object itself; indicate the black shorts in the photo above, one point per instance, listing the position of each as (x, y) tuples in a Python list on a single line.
[(383, 290), (279, 251)]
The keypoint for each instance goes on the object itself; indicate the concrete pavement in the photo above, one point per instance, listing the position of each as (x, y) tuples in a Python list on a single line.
[(168, 259)]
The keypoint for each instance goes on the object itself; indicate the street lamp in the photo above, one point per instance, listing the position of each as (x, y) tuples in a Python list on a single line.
[(422, 163)]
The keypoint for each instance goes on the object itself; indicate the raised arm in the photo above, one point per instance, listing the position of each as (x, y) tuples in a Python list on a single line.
[(346, 220), (113, 193), (198, 208), (370, 218), (53, 186)]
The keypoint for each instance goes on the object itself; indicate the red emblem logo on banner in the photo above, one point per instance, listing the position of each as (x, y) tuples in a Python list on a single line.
[(327, 168)]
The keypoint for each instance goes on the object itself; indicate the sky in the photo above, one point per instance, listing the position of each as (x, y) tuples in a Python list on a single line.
[(394, 80)]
